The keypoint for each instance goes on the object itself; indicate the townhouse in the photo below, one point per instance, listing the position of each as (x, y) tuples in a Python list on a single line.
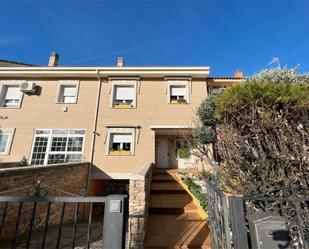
[(117, 118)]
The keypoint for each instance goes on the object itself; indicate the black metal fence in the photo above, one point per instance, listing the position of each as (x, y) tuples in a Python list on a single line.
[(219, 220), (38, 221), (229, 219)]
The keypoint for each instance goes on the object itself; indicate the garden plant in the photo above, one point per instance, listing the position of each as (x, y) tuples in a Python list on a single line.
[(260, 133)]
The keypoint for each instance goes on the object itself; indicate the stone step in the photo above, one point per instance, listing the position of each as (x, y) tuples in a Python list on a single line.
[(181, 201), (174, 231), (185, 247), (196, 237), (157, 219), (160, 192), (162, 180), (162, 176), (187, 207), (163, 183), (166, 186), (174, 221), (159, 210), (162, 171)]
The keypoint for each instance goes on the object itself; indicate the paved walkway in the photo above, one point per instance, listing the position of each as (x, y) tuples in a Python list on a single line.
[(173, 218)]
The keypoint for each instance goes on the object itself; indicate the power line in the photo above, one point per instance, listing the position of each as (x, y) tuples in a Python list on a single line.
[(123, 51)]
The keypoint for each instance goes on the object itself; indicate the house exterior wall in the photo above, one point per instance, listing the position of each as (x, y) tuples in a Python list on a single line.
[(42, 111), (152, 109)]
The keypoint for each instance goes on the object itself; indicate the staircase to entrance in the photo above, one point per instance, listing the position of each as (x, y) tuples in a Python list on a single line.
[(174, 221)]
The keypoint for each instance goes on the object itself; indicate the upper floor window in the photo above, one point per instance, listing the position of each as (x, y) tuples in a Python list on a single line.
[(11, 96), (178, 94), (67, 92), (120, 143), (57, 146), (124, 93), (6, 136), (124, 96), (178, 90)]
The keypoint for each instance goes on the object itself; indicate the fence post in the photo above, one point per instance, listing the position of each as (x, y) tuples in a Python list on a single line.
[(227, 229), (210, 200), (239, 230), (114, 222)]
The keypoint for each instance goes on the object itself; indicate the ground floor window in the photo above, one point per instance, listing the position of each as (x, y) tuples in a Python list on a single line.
[(4, 142), (6, 135), (120, 144), (182, 148), (52, 146)]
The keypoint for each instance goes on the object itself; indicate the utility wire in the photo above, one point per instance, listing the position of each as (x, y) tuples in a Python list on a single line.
[(124, 51)]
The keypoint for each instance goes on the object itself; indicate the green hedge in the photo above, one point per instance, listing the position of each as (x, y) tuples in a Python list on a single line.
[(196, 190)]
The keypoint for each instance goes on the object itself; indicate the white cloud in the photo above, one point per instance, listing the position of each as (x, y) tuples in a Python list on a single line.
[(7, 40)]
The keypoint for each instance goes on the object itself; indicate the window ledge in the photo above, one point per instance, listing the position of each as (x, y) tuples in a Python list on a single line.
[(63, 103), (2, 107), (178, 103), (123, 106), (120, 153)]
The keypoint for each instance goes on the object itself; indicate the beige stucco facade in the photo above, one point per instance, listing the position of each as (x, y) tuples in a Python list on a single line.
[(152, 110), (42, 111), (152, 115)]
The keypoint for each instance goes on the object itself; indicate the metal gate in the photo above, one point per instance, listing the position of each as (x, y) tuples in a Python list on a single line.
[(39, 221), (228, 217)]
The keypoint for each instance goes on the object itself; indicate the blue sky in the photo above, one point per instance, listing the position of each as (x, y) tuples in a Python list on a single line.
[(224, 35)]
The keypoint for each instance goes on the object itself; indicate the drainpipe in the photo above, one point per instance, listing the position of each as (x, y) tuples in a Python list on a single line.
[(94, 130)]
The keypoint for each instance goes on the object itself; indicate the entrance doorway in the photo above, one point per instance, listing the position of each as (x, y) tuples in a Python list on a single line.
[(162, 152)]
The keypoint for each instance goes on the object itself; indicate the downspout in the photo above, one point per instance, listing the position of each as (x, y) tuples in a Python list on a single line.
[(94, 130)]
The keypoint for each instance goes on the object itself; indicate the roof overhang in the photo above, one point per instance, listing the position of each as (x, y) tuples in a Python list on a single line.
[(102, 72), (174, 130), (223, 82), (123, 126), (155, 127)]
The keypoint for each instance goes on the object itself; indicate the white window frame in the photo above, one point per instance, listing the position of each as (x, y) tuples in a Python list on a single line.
[(184, 82), (120, 130), (50, 136), (10, 132), (4, 85), (123, 82), (116, 88), (121, 142), (60, 91)]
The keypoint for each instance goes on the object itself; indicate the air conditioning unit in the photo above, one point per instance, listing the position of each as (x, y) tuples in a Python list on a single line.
[(27, 87)]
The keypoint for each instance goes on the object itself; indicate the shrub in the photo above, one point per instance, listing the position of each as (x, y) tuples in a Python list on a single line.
[(261, 130), (183, 153), (276, 96), (204, 134), (23, 162), (196, 190)]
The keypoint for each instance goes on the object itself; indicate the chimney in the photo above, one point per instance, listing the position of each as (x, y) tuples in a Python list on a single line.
[(120, 62), (238, 73), (53, 59)]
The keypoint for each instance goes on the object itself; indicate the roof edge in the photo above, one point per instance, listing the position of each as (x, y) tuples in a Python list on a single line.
[(202, 72), (18, 63)]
